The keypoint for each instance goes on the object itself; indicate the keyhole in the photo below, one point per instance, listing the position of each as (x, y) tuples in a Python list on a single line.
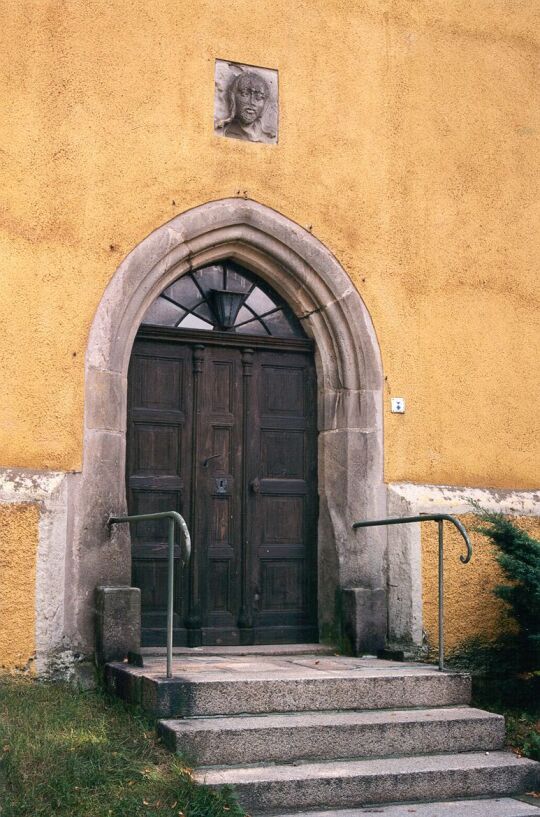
[(221, 485)]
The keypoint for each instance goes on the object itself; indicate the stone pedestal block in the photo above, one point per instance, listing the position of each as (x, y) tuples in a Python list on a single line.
[(118, 623), (364, 618)]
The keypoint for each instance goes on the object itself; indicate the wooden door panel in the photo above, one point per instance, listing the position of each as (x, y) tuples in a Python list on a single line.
[(283, 505), (221, 375), (151, 576), (226, 436), (157, 449), (222, 518), (219, 495), (159, 382), (158, 464), (219, 586), (282, 390), (282, 486), (282, 453), (152, 532), (283, 589), (282, 520)]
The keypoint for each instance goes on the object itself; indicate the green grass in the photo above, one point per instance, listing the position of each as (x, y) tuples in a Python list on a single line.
[(524, 733), (498, 687), (81, 754), (518, 699)]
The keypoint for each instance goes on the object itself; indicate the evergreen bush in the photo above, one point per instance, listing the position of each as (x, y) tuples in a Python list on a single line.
[(506, 670), (518, 555)]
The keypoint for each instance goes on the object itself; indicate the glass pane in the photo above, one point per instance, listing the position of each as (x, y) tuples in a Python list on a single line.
[(163, 313), (259, 301), (279, 325), (192, 289), (254, 327), (193, 322), (237, 282), (184, 292), (209, 278), (203, 310), (243, 315)]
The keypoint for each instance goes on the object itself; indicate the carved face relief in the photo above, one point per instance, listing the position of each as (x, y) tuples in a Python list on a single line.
[(250, 95), (245, 102)]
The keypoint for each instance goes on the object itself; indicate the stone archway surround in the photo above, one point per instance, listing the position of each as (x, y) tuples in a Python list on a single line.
[(349, 374)]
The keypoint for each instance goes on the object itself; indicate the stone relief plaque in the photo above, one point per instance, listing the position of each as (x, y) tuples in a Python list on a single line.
[(246, 102)]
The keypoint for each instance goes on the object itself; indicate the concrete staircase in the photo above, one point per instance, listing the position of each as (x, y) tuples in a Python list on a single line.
[(332, 736)]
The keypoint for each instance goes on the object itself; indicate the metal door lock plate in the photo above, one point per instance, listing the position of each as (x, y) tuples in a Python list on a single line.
[(221, 485)]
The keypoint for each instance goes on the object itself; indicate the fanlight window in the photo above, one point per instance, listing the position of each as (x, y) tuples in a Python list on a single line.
[(223, 298)]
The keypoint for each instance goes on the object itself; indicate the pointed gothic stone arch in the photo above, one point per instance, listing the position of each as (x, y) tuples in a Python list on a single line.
[(349, 370)]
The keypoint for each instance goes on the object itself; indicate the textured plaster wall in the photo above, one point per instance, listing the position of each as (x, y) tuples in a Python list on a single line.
[(34, 546), (408, 144), (471, 608), (18, 553)]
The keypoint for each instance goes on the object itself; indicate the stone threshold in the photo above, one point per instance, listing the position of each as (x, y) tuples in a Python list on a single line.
[(242, 651)]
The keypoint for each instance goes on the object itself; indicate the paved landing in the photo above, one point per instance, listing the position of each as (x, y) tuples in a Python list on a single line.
[(227, 666)]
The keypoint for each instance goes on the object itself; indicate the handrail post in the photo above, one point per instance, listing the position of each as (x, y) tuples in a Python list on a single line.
[(441, 595), (170, 598), (173, 518), (439, 518)]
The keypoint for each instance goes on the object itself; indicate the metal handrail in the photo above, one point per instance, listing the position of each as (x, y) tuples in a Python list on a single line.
[(439, 518), (174, 518)]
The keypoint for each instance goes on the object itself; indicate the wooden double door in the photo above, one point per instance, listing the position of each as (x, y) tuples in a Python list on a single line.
[(225, 433)]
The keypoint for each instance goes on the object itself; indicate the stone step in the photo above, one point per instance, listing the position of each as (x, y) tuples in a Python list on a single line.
[(324, 735), (346, 784), (500, 807), (304, 685)]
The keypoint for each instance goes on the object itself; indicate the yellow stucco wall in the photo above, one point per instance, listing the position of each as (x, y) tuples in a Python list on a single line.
[(408, 143), (471, 608), (18, 552)]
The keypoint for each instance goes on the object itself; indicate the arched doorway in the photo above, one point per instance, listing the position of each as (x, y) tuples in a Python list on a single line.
[(349, 406), (222, 428)]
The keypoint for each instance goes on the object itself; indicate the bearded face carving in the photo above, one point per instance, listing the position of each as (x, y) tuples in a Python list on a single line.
[(246, 99)]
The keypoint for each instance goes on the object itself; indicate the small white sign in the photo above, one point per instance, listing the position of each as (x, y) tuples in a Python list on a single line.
[(397, 405)]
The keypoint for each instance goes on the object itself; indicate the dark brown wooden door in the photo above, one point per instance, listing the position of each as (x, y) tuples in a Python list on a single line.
[(226, 435)]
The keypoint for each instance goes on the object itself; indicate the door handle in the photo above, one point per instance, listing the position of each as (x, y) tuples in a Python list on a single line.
[(207, 460), (255, 485)]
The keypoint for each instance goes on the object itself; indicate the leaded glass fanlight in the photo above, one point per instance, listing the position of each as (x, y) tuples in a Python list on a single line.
[(224, 298)]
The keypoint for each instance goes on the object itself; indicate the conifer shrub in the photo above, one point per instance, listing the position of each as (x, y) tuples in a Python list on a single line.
[(506, 670), (518, 555)]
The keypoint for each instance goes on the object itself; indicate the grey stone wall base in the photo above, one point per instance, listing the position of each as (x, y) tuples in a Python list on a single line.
[(118, 623), (404, 651), (63, 664), (364, 619), (52, 492), (405, 546)]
